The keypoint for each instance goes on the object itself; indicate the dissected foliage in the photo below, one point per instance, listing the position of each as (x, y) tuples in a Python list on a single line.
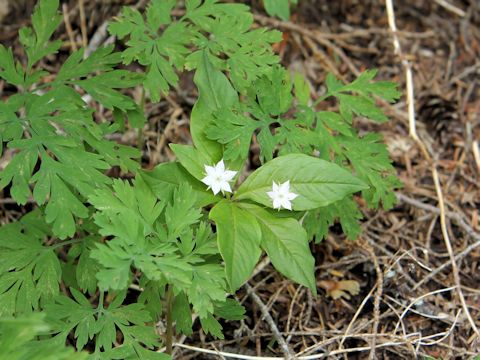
[(99, 239)]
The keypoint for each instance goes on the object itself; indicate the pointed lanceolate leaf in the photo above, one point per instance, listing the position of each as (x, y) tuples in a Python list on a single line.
[(286, 243), (317, 182), (215, 92), (192, 159), (164, 178), (238, 236)]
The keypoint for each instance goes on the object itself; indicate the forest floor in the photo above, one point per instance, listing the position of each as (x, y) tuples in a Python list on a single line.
[(416, 267)]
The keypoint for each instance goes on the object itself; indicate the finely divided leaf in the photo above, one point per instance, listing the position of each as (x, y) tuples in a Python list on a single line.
[(29, 272), (160, 53), (101, 324), (45, 20), (19, 339), (9, 71), (280, 8)]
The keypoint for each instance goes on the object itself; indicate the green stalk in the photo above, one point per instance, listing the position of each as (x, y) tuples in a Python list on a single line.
[(100, 301), (169, 335), (140, 130)]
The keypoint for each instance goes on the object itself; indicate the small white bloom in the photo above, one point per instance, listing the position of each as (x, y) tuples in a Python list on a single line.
[(218, 177), (281, 195)]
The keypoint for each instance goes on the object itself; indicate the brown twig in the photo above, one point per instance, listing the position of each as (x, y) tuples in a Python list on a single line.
[(450, 7), (68, 27), (476, 154), (452, 215), (446, 237), (83, 23), (268, 318), (378, 296)]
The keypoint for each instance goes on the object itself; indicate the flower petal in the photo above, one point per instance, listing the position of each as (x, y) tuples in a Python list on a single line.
[(216, 187), (272, 194), (286, 204), (225, 186), (229, 175), (291, 196), (210, 170), (220, 167), (277, 204), (285, 187), (208, 180), (275, 187)]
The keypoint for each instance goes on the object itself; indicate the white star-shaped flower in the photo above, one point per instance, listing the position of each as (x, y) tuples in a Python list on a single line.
[(281, 195), (218, 177)]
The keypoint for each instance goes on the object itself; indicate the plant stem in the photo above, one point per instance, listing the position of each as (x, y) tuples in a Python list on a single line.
[(100, 301), (140, 129), (320, 99), (169, 337)]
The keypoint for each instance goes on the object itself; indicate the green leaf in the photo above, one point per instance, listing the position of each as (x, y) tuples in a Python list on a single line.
[(231, 45), (9, 71), (29, 272), (361, 106), (100, 324), (136, 118), (302, 89), (280, 8), (182, 314), (158, 13), (364, 85), (161, 54), (86, 267), (233, 130), (238, 236), (62, 207), (212, 326), (151, 296), (317, 222), (285, 241), (208, 287), (181, 213), (164, 178), (371, 161), (215, 92), (76, 66), (364, 103), (45, 20), (191, 159), (130, 216), (333, 84), (200, 118), (18, 171), (274, 93), (230, 310), (317, 182), (58, 130), (102, 88), (18, 340)]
